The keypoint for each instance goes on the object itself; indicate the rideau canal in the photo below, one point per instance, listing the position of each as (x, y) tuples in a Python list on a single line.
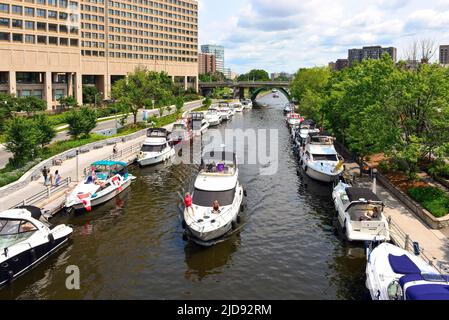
[(132, 247)]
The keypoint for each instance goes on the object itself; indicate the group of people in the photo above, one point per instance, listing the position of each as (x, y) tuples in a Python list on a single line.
[(50, 179)]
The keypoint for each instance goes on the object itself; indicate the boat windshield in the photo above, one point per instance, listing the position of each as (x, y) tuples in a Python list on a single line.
[(15, 231), (148, 148), (325, 157), (157, 133), (204, 198)]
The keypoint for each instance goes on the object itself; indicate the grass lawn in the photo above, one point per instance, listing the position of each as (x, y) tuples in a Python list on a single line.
[(433, 199)]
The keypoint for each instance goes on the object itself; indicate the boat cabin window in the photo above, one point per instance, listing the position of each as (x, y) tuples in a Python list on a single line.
[(206, 198), (325, 157), (14, 231), (148, 148)]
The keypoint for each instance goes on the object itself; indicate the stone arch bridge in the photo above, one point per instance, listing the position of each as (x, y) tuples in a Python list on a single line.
[(255, 87)]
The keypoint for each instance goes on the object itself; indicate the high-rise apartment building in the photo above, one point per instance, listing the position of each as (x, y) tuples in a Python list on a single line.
[(206, 63), (444, 54), (51, 48), (373, 52), (218, 52)]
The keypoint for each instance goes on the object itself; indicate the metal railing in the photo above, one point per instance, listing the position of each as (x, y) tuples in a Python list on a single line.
[(119, 155), (403, 240), (44, 194)]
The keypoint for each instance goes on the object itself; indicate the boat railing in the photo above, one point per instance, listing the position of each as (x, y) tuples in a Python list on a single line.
[(44, 194), (403, 240)]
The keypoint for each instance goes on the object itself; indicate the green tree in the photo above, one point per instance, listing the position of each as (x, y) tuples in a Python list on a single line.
[(68, 102), (21, 139), (212, 77), (207, 102), (141, 88), (45, 131), (90, 95), (8, 107), (31, 105), (81, 122), (255, 75), (179, 106)]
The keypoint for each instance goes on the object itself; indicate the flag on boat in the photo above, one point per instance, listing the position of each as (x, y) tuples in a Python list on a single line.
[(85, 199)]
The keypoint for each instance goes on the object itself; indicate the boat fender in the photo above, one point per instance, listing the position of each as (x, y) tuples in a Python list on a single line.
[(242, 208), (305, 169), (33, 254), (239, 219), (245, 193), (234, 225), (51, 238), (184, 224)]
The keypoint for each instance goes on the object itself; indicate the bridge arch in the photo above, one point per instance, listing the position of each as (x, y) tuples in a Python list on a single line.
[(259, 90)]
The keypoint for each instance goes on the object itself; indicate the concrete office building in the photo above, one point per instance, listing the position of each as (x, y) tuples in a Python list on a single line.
[(374, 52), (218, 52), (51, 48), (206, 63), (444, 54)]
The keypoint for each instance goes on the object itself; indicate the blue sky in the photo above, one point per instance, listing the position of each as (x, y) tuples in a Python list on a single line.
[(284, 35)]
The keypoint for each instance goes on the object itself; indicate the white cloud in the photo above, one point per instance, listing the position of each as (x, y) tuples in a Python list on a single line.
[(287, 34)]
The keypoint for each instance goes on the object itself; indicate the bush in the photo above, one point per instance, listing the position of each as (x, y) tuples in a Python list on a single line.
[(44, 129), (81, 122), (433, 199), (440, 168), (21, 139)]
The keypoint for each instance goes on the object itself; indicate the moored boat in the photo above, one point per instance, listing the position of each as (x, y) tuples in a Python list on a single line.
[(105, 180), (156, 148), (26, 239)]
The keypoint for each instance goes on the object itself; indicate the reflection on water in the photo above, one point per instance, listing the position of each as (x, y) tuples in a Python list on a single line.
[(132, 247)]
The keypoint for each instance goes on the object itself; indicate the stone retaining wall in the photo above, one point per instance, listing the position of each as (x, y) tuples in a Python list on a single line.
[(36, 172)]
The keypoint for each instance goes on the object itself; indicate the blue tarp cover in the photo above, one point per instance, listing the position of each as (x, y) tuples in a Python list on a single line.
[(403, 265), (428, 292)]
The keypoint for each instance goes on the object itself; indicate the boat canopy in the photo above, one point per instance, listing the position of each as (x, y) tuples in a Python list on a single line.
[(157, 132), (36, 212), (356, 194), (197, 116), (109, 163), (420, 286)]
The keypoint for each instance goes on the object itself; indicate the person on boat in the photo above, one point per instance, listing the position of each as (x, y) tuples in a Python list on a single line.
[(188, 202), (216, 207)]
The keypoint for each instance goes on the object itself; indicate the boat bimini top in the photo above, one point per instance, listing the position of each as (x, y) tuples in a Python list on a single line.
[(320, 138), (157, 133), (362, 196)]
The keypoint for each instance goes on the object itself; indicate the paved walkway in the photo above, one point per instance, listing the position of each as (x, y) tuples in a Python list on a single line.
[(68, 168)]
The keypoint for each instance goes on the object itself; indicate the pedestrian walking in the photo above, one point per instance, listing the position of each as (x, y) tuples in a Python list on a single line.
[(57, 178), (115, 150), (45, 172)]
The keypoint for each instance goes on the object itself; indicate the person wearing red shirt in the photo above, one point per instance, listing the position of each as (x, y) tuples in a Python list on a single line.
[(188, 202)]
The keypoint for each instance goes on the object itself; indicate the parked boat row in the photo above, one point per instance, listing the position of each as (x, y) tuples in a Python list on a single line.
[(392, 273)]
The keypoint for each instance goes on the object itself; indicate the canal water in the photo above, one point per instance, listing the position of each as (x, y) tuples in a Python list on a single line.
[(132, 247)]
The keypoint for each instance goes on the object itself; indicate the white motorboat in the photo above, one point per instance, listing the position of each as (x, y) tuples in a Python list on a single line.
[(216, 181), (199, 124), (105, 180), (360, 213), (182, 131), (225, 111), (156, 148), (319, 159), (247, 104), (238, 107), (305, 128), (213, 116), (289, 108), (294, 119), (26, 239), (393, 273)]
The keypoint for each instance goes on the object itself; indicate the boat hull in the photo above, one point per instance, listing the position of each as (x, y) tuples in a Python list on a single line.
[(156, 160), (19, 264), (104, 198), (320, 176)]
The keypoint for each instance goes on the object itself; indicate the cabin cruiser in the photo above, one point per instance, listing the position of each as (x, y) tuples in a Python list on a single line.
[(393, 273), (360, 213), (226, 112), (182, 131), (319, 159), (217, 181), (105, 180), (289, 108), (213, 116), (156, 148), (294, 119), (238, 107), (247, 104), (199, 124), (26, 239), (302, 132)]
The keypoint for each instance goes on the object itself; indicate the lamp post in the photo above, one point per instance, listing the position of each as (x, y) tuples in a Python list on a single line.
[(375, 181), (77, 165)]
